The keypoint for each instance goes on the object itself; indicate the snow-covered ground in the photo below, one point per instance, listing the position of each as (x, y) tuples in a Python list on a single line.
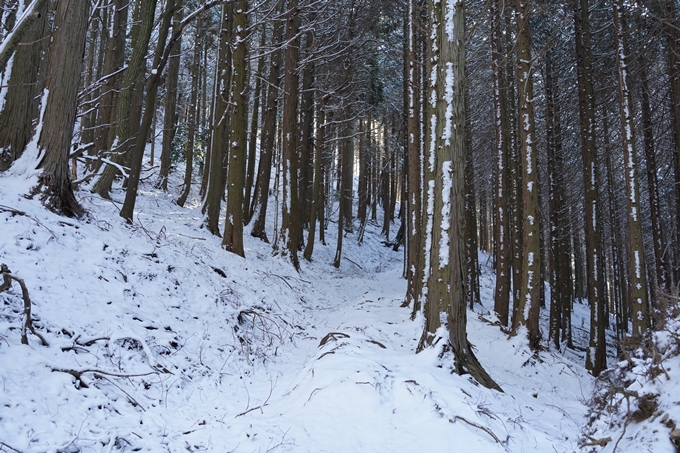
[(187, 347)]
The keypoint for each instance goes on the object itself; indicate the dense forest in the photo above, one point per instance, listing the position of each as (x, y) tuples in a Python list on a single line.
[(543, 135)]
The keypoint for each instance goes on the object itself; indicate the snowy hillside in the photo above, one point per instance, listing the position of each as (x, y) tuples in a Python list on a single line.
[(159, 340)]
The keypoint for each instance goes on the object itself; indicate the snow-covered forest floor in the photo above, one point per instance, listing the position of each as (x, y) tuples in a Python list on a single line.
[(159, 340)]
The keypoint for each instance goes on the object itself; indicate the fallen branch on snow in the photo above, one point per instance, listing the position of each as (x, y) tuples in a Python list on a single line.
[(7, 278), (78, 374), (476, 425)]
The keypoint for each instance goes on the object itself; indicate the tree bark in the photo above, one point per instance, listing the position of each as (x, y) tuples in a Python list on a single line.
[(637, 272), (220, 126), (290, 205), (193, 116), (21, 103), (261, 195), (502, 233), (529, 301), (233, 228), (596, 354), (63, 80), (124, 103), (170, 118)]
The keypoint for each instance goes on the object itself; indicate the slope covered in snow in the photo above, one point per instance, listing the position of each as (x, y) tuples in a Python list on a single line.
[(159, 340)]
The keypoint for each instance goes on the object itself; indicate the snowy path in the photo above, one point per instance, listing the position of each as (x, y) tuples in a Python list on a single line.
[(234, 352)]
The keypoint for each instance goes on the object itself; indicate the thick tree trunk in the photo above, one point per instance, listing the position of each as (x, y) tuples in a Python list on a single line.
[(637, 272), (529, 301), (63, 79), (446, 301), (596, 357), (233, 228), (21, 98)]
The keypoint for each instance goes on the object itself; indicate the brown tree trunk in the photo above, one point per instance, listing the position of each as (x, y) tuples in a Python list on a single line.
[(113, 62), (125, 102), (637, 272), (596, 354), (220, 126), (662, 279), (139, 140), (233, 228), (502, 233), (170, 118), (317, 193), (21, 97), (63, 79), (254, 125), (529, 301), (290, 206), (193, 116), (261, 195)]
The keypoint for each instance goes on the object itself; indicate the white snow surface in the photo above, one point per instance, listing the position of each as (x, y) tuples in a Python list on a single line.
[(247, 355)]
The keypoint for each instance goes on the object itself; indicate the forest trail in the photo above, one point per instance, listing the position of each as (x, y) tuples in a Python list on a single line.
[(246, 355)]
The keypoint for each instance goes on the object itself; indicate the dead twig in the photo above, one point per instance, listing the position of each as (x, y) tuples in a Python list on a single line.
[(357, 265), (7, 278), (10, 447), (4, 208), (476, 425)]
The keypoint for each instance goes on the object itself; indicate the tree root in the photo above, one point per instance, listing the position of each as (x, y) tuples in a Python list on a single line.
[(7, 278)]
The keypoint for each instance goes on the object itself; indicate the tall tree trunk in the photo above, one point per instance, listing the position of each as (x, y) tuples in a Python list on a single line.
[(596, 357), (345, 168), (170, 118), (220, 125), (21, 97), (501, 125), (652, 182), (264, 170), (305, 148), (446, 288), (113, 61), (15, 36), (413, 180), (124, 104), (233, 228), (254, 124), (140, 138), (637, 272), (529, 302), (63, 79), (559, 256), (290, 205), (193, 116), (472, 270), (673, 52), (317, 192)]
